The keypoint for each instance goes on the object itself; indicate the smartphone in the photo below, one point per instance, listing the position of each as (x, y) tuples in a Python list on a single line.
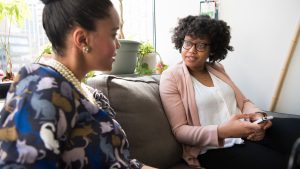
[(263, 119)]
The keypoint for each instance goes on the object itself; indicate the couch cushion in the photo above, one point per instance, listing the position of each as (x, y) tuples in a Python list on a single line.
[(139, 111)]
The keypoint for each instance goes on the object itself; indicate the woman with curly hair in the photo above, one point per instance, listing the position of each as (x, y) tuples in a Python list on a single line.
[(208, 114)]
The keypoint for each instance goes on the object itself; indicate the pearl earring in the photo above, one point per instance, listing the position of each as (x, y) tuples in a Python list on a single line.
[(86, 49)]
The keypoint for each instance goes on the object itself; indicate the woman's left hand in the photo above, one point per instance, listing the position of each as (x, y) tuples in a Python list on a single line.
[(259, 135)]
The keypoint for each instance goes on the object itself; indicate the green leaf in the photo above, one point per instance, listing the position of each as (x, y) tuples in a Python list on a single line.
[(145, 48), (88, 75)]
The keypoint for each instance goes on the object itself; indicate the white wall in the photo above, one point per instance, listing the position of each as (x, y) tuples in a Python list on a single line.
[(288, 100), (262, 32), (167, 15)]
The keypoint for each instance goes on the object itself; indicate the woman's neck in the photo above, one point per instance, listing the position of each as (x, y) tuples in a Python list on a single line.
[(198, 70), (74, 65), (202, 75)]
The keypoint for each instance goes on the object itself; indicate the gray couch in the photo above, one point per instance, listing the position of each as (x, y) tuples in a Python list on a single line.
[(139, 110)]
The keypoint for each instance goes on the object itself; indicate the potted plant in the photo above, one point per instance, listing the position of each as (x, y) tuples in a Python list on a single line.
[(160, 66), (147, 63), (11, 12), (146, 59), (45, 55), (127, 53)]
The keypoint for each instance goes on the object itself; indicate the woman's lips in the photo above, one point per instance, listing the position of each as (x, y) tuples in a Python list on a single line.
[(191, 58)]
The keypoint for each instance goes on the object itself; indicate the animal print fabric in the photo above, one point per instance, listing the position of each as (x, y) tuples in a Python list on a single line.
[(58, 128)]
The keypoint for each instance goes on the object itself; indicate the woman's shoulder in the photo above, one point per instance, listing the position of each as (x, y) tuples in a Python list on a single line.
[(36, 70), (174, 74), (27, 74), (216, 65), (27, 69), (174, 69), (31, 69), (34, 77)]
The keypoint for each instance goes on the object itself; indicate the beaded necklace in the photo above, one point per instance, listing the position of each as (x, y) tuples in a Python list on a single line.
[(68, 74)]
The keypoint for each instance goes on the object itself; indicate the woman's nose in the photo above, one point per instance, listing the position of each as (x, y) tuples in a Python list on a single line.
[(193, 49), (118, 45)]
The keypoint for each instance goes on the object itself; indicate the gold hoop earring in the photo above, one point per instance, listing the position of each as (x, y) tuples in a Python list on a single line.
[(86, 49)]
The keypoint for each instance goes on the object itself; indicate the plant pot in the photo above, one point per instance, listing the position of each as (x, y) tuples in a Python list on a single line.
[(151, 60), (126, 57)]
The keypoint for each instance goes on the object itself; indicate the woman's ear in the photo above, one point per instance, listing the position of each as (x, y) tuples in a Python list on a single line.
[(80, 38)]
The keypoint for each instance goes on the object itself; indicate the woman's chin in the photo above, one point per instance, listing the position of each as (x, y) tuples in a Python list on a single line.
[(105, 70)]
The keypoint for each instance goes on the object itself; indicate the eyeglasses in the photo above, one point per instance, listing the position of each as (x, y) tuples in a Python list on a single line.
[(200, 47)]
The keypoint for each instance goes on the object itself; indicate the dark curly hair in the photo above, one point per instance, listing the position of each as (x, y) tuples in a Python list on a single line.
[(201, 26)]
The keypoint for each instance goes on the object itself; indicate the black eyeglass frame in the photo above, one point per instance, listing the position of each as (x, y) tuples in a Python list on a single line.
[(200, 47)]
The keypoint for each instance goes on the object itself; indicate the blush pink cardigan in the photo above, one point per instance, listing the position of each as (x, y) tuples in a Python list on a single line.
[(178, 98)]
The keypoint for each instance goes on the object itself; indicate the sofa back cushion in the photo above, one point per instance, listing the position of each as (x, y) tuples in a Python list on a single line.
[(140, 113)]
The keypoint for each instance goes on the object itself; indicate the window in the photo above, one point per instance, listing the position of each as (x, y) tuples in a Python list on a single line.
[(26, 42), (138, 19)]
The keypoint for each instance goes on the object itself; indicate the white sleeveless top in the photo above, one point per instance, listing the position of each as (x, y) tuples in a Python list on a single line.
[(215, 106)]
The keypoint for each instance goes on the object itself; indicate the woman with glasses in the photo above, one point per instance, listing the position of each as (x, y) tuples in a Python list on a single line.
[(208, 114)]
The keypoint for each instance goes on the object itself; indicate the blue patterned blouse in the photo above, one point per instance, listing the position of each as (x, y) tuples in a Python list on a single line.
[(57, 127)]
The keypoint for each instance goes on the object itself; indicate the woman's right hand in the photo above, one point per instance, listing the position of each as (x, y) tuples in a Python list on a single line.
[(237, 127)]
